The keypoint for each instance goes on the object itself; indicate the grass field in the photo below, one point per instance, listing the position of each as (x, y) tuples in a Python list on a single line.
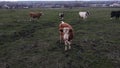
[(35, 44)]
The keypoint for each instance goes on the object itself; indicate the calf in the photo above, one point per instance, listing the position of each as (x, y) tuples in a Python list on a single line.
[(66, 34), (83, 15), (61, 16), (115, 14)]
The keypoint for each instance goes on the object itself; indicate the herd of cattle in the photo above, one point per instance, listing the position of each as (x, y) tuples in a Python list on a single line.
[(65, 29), (83, 15)]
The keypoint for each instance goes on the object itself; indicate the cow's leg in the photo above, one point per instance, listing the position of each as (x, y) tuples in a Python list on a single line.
[(30, 19), (65, 45), (69, 44), (86, 17), (38, 17), (111, 18), (60, 39), (80, 17), (83, 18)]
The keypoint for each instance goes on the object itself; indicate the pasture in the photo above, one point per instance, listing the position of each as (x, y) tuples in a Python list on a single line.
[(35, 44)]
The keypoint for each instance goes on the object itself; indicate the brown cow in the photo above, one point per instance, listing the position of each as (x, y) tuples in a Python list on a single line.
[(66, 34), (34, 15)]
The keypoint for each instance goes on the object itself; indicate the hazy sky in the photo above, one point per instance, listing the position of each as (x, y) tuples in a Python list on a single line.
[(59, 0)]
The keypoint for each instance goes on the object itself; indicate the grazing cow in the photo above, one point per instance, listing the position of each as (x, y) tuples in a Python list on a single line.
[(66, 34), (83, 15), (61, 16), (115, 14), (35, 15)]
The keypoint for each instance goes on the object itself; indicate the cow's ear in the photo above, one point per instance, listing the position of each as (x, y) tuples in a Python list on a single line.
[(61, 30)]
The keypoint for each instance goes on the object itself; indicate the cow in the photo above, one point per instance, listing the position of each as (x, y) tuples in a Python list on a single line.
[(34, 15), (66, 34), (84, 14), (61, 16), (115, 14)]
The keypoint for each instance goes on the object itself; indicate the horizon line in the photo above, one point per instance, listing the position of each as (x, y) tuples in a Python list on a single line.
[(43, 0)]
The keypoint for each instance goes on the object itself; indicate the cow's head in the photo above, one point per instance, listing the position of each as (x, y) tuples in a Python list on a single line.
[(67, 30), (88, 13), (41, 13)]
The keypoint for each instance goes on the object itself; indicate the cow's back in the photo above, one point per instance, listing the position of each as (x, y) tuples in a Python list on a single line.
[(61, 26), (115, 13), (82, 13), (35, 15)]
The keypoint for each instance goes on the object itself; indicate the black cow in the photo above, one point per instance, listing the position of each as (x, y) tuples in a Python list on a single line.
[(115, 14)]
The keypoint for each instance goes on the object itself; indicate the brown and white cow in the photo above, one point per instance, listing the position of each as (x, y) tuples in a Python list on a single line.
[(34, 15), (66, 34)]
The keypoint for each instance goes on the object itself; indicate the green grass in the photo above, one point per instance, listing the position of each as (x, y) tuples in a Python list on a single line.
[(35, 44)]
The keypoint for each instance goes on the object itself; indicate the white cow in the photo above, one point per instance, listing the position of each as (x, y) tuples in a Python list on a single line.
[(83, 15)]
